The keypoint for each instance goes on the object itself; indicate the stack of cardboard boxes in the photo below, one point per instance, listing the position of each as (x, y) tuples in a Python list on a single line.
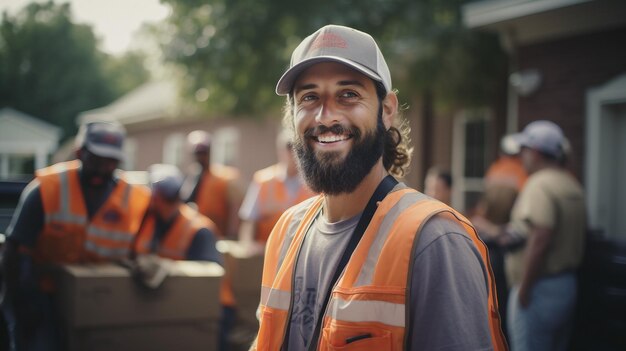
[(104, 308)]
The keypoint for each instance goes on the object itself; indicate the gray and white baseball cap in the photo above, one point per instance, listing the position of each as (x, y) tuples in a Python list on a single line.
[(543, 136), (334, 43), (104, 139)]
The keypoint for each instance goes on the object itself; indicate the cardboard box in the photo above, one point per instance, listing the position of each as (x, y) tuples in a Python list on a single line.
[(245, 266), (107, 295), (200, 336)]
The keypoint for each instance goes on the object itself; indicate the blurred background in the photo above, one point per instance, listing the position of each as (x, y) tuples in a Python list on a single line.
[(467, 73)]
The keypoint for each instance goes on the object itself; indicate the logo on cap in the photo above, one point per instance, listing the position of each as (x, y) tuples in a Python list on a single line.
[(329, 40)]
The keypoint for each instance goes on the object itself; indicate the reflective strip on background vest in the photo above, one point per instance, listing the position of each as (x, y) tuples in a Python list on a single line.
[(64, 214), (105, 251), (112, 235), (121, 238)]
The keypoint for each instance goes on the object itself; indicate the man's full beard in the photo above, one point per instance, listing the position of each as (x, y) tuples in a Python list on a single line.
[(326, 173)]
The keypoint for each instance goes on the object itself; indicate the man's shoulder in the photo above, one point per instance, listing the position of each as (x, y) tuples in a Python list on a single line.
[(442, 227)]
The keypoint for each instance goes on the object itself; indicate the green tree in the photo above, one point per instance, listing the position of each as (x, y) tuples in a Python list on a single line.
[(237, 49), (126, 72), (50, 67)]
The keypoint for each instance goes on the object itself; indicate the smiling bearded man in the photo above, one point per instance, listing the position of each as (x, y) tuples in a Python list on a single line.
[(370, 264), (326, 172)]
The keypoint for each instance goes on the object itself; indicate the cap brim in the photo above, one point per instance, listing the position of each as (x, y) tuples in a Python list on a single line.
[(106, 151), (286, 82), (520, 139)]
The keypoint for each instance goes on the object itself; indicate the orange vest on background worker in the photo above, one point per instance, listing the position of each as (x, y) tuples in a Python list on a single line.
[(178, 239), (69, 235), (212, 201), (371, 294), (212, 196), (274, 200), (508, 171)]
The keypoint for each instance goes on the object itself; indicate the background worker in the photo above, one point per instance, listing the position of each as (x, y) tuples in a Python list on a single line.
[(272, 190), (370, 264), (73, 212), (215, 191), (171, 228), (549, 216), (503, 181), (438, 185), (213, 188)]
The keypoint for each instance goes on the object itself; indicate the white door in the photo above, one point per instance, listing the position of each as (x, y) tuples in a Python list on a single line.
[(605, 162)]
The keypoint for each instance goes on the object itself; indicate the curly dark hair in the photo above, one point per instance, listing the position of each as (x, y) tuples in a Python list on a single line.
[(397, 151)]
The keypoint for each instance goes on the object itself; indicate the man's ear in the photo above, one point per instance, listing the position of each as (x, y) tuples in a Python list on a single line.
[(390, 109)]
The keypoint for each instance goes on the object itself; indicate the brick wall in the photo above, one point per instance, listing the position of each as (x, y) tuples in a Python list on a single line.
[(570, 67)]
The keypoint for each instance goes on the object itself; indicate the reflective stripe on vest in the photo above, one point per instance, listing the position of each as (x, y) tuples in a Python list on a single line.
[(64, 214), (113, 235), (275, 298), (106, 251), (367, 271), (367, 311)]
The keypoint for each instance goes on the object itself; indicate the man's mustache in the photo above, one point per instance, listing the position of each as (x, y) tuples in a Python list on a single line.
[(334, 129)]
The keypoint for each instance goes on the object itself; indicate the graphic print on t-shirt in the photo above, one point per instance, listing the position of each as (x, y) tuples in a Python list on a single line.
[(302, 317)]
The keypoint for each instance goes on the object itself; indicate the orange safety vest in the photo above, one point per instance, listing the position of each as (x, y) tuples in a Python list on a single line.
[(212, 196), (176, 242), (274, 200), (68, 235), (372, 294), (507, 170)]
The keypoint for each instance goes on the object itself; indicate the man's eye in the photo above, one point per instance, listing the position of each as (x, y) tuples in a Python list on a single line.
[(349, 94), (308, 97)]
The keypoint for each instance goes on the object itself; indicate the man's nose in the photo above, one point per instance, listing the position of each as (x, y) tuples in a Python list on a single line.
[(326, 114)]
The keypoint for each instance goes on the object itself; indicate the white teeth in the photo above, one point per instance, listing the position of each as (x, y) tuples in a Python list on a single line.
[(331, 138)]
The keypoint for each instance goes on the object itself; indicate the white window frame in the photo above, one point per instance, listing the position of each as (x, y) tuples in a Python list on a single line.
[(461, 184), (225, 146), (174, 149)]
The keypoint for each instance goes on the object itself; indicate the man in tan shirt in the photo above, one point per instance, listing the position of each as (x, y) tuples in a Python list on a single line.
[(550, 216)]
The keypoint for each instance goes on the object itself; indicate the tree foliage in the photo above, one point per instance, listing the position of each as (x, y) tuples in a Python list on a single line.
[(51, 68), (237, 49)]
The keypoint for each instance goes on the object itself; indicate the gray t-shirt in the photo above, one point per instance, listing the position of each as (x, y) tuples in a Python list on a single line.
[(449, 292)]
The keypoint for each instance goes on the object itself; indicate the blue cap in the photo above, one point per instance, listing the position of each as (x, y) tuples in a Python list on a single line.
[(165, 180), (543, 136), (104, 139)]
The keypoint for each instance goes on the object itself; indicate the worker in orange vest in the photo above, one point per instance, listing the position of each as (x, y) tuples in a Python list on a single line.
[(272, 190), (370, 264), (73, 212), (215, 192), (171, 228), (503, 181), (508, 169), (213, 188)]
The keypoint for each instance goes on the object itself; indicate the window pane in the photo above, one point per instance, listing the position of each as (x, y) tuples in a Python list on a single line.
[(475, 148)]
